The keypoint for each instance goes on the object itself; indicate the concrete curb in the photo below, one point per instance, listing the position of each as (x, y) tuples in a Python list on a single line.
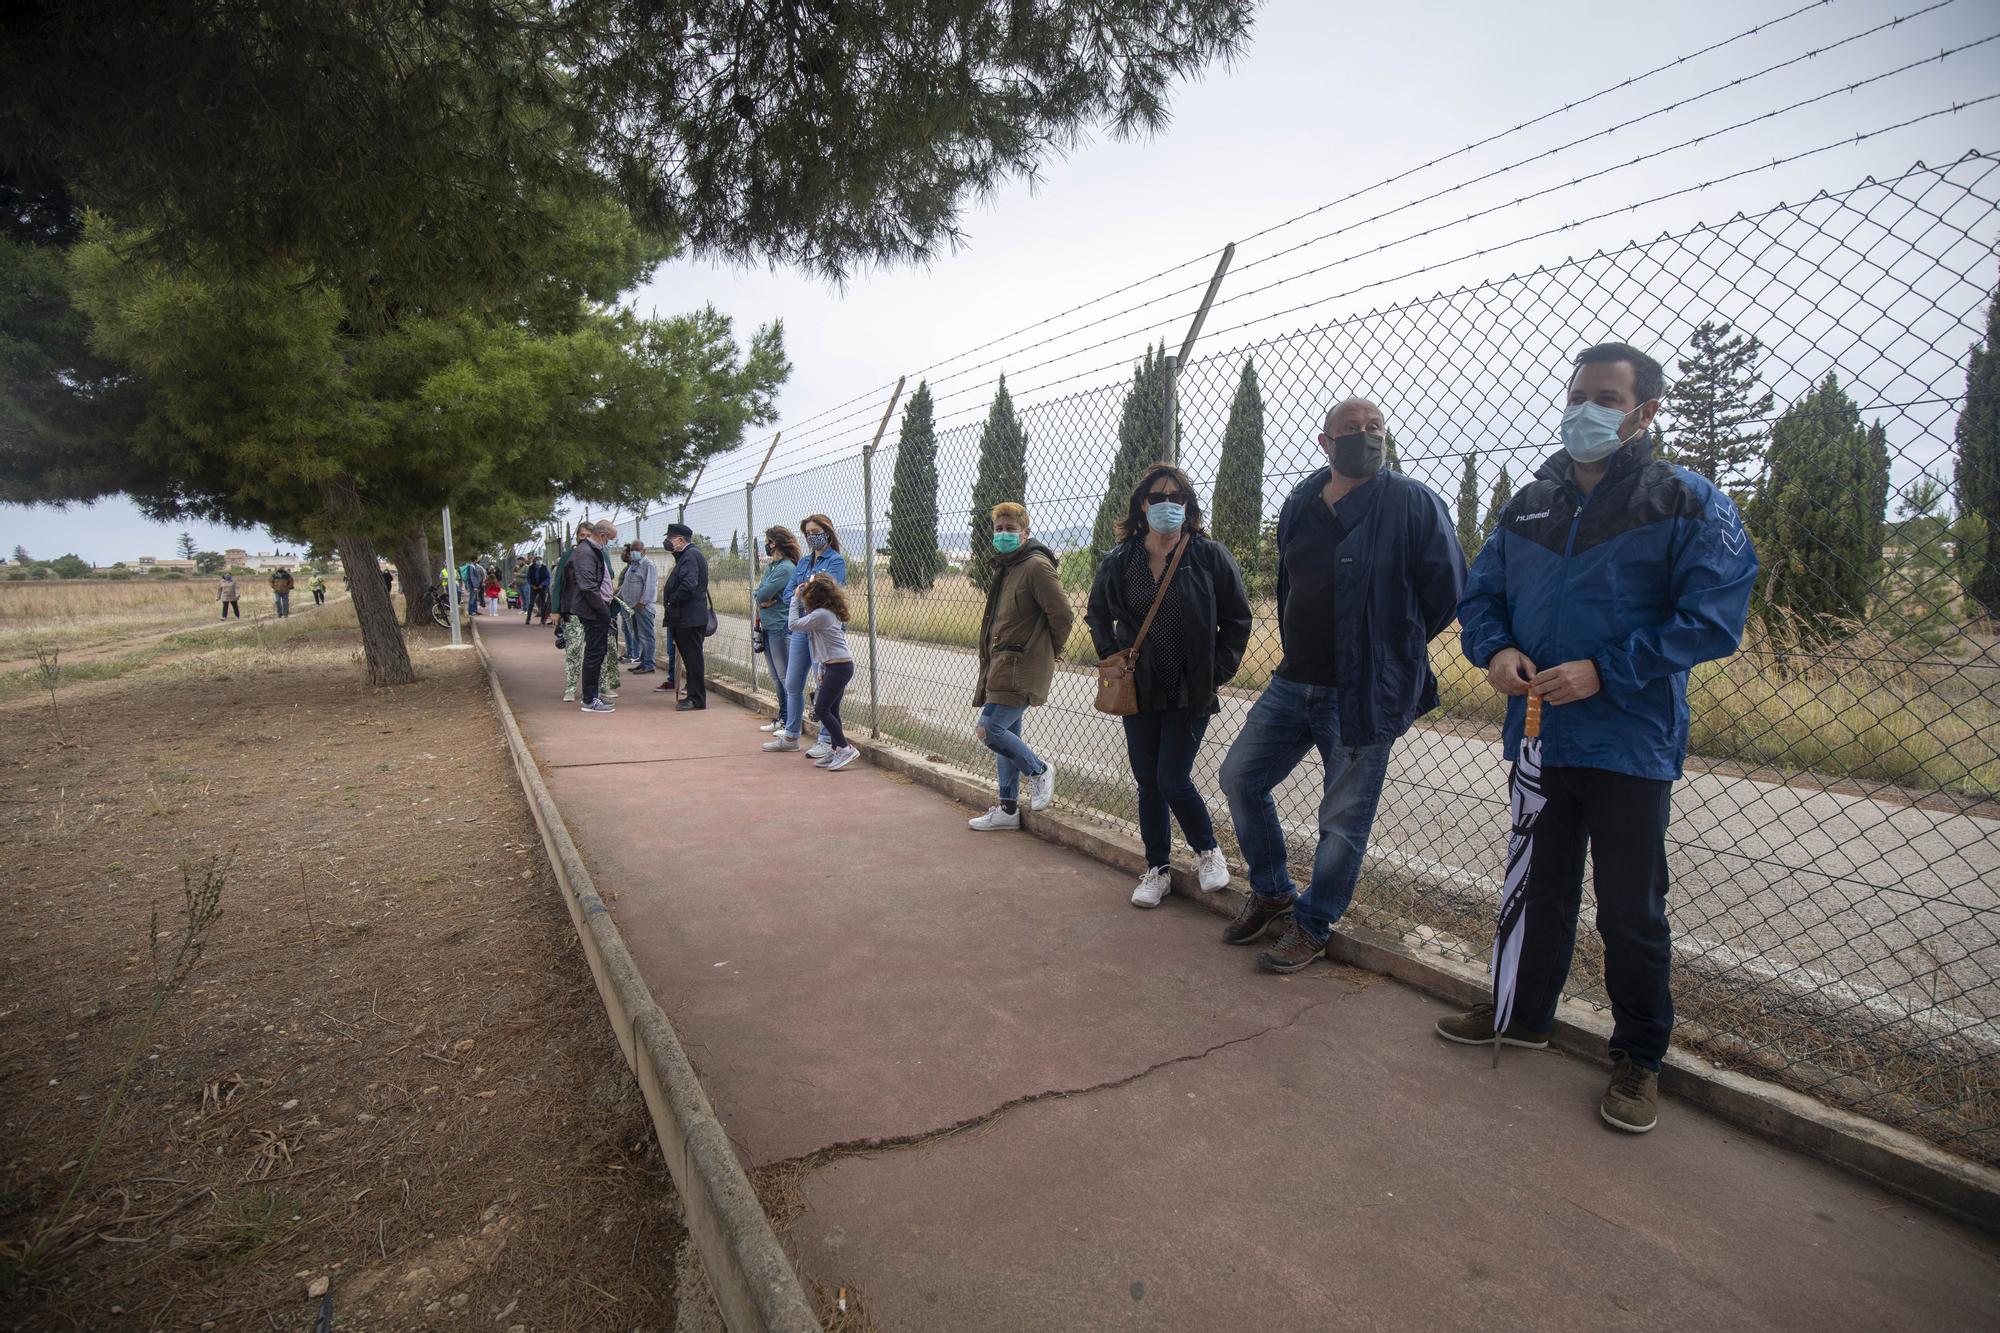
[(752, 1276), (1890, 1158)]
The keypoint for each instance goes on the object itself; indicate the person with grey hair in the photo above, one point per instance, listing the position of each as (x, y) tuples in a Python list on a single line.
[(638, 592), (1369, 571)]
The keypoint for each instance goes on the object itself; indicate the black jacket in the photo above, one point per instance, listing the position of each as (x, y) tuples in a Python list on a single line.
[(685, 593), (1212, 587), (583, 583)]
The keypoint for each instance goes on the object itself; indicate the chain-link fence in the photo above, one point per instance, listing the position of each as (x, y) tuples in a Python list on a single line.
[(1836, 843)]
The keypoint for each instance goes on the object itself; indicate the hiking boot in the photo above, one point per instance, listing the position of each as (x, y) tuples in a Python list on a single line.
[(1256, 917), (1153, 888), (1632, 1102), (1476, 1029), (1211, 871), (995, 820), (1294, 951)]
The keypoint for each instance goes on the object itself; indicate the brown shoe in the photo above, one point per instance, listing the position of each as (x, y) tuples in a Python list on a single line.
[(1632, 1102), (1255, 918), (1294, 950), (1476, 1029)]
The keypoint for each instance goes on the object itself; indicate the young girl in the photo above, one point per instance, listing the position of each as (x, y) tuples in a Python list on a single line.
[(824, 621), (493, 590)]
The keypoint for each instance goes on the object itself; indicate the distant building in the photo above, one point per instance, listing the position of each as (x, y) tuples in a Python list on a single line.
[(148, 563)]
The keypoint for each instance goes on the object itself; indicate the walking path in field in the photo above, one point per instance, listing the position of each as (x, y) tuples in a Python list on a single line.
[(1008, 1100)]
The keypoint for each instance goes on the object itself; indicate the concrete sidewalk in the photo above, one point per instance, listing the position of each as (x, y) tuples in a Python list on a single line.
[(1008, 1100)]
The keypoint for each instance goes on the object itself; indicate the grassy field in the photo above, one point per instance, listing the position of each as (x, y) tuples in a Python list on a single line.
[(1863, 710), (70, 614)]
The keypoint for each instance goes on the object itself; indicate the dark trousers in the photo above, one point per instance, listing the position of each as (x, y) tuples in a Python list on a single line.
[(693, 675), (834, 678), (537, 601), (1623, 822), (1161, 747), (596, 641), (319, 596), (231, 608)]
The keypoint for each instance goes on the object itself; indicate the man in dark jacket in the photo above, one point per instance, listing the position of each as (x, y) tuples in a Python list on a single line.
[(685, 597), (1605, 581), (1369, 570), (537, 581), (586, 594)]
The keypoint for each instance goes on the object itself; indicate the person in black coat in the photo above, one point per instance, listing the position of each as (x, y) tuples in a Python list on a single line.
[(1194, 647), (685, 597), (586, 594)]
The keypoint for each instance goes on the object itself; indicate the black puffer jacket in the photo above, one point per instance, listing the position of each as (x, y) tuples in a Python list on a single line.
[(1211, 587)]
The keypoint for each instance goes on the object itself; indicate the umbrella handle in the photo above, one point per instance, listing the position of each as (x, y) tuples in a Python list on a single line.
[(1533, 729)]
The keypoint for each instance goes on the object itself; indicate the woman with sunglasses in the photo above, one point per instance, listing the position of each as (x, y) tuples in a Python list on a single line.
[(1194, 647)]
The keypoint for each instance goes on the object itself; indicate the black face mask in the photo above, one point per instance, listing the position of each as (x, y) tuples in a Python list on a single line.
[(1359, 455)]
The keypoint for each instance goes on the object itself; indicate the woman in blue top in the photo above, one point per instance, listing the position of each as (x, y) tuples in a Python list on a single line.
[(781, 548), (822, 557)]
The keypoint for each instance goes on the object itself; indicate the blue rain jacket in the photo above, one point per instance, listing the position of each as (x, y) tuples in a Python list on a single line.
[(1646, 576)]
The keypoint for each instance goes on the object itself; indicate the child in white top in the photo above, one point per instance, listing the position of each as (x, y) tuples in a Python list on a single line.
[(820, 611)]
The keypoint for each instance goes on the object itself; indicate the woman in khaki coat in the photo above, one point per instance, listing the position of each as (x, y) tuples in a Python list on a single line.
[(1027, 622)]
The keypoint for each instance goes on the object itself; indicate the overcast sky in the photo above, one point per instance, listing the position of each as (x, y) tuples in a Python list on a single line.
[(1326, 101)]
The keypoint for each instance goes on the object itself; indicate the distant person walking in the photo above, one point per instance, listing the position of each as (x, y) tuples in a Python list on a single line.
[(822, 556), (685, 596), (318, 586), (1166, 567), (639, 592), (281, 591), (782, 549), (587, 598), (1028, 619), (825, 623), (537, 582), (227, 593), (388, 581)]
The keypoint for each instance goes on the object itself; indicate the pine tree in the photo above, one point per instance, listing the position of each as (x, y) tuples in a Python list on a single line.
[(1390, 461), (913, 503), (1503, 491), (1003, 475), (1825, 474), (186, 546), (1716, 409), (735, 550), (1468, 502), (1236, 514), (1978, 469), (1140, 442)]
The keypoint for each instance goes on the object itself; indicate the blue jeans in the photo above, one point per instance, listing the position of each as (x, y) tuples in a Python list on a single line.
[(1000, 731), (778, 653), (639, 628), (1288, 720), (282, 601), (1161, 747), (796, 670)]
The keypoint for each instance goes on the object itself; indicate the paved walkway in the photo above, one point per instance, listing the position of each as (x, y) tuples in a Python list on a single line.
[(1150, 1133)]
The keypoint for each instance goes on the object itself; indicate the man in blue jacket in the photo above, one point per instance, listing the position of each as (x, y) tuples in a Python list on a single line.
[(1606, 579), (1369, 570)]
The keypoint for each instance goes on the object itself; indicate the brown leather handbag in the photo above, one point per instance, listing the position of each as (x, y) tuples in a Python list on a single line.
[(1117, 691)]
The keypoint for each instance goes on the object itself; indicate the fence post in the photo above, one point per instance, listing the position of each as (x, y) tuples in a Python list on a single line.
[(1170, 447), (750, 535), (868, 556)]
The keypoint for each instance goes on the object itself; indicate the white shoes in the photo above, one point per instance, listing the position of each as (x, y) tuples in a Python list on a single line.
[(821, 749), (780, 742), (1154, 885), (768, 726), (995, 820), (1212, 870), (1042, 788)]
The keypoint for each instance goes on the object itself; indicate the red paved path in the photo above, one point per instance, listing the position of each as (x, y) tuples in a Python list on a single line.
[(847, 963)]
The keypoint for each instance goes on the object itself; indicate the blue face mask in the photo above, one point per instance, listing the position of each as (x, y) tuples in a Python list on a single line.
[(1165, 516), (1590, 432), (1006, 542)]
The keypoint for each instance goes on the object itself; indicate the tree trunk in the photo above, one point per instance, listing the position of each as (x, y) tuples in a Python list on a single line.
[(381, 637), (413, 570)]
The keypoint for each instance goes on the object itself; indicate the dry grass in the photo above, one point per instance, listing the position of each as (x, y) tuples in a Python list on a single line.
[(81, 613)]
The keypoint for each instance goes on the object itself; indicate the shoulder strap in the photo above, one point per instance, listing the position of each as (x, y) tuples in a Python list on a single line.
[(1160, 595)]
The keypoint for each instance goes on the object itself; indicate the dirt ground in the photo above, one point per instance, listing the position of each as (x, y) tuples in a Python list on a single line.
[(386, 1079)]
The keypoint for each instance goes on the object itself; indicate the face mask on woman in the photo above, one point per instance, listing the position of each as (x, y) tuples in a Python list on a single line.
[(1165, 516), (816, 540), (1006, 542)]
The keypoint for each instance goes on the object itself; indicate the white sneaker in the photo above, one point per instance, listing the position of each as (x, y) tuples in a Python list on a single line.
[(1213, 870), (994, 820), (768, 726), (780, 742), (1154, 885), (569, 696), (825, 759), (821, 748), (841, 758), (1042, 789)]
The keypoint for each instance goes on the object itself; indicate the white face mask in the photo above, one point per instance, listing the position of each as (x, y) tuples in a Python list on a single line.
[(1590, 431)]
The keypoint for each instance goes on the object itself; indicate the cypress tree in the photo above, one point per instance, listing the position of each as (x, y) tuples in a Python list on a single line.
[(1236, 513), (1503, 491), (1003, 475), (1140, 436), (1824, 474), (735, 551), (1978, 470), (1468, 502), (1717, 413), (913, 504), (1390, 461)]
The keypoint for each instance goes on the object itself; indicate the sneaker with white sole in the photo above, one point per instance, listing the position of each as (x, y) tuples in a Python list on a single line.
[(1212, 870), (598, 705), (569, 696), (825, 759), (841, 758), (821, 749), (1042, 788), (1154, 886), (995, 820), (780, 742), (768, 726)]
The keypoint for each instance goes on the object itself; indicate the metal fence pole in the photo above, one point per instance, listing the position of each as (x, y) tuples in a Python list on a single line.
[(451, 576), (1170, 447), (750, 535), (868, 556)]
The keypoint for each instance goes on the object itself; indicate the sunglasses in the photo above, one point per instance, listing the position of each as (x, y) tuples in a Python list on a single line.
[(1169, 497)]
